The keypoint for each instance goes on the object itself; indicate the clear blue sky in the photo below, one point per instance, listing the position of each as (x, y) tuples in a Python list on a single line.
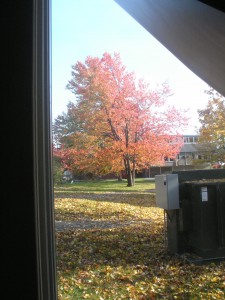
[(92, 27)]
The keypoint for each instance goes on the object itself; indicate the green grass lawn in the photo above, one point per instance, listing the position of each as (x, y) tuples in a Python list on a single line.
[(128, 261), (111, 185)]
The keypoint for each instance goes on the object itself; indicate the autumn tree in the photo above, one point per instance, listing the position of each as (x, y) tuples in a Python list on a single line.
[(123, 123), (65, 126), (212, 120)]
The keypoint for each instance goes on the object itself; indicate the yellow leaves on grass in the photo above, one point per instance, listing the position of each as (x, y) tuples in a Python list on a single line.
[(125, 262), (111, 206)]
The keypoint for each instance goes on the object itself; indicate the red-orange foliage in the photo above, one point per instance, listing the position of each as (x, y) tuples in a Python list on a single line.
[(123, 123)]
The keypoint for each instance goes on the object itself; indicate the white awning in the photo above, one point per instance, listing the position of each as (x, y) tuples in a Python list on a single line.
[(191, 30)]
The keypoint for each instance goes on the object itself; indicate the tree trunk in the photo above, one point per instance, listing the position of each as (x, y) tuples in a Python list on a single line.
[(130, 181), (133, 176), (133, 172)]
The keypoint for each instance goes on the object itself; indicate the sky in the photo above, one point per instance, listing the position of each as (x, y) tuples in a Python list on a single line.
[(91, 27)]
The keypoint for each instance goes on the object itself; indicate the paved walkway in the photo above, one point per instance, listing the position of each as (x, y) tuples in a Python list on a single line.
[(90, 224)]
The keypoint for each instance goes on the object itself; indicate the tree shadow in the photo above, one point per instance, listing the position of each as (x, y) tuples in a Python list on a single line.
[(136, 199), (134, 256), (130, 245)]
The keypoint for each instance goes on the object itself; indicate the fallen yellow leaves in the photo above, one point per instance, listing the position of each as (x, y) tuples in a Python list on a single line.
[(128, 260)]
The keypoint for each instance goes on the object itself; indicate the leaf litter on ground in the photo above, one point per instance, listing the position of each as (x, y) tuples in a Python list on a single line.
[(125, 262)]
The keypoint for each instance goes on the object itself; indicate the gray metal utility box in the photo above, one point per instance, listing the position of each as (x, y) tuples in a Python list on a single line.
[(194, 211), (167, 191)]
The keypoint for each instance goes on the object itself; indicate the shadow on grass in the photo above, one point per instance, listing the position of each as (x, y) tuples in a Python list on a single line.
[(132, 245), (131, 262), (136, 199)]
